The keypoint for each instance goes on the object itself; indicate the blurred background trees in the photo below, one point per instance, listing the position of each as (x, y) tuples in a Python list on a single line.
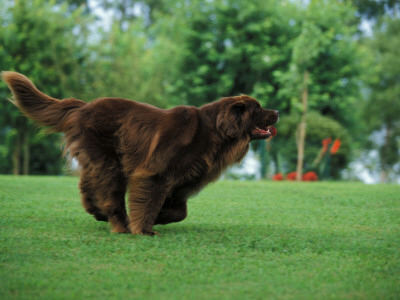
[(48, 43), (381, 111), (171, 52)]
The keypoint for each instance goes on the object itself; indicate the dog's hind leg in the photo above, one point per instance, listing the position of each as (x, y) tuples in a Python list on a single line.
[(103, 196), (113, 206), (89, 201), (146, 197)]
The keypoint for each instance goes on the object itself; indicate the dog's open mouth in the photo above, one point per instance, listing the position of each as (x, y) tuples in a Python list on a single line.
[(263, 133)]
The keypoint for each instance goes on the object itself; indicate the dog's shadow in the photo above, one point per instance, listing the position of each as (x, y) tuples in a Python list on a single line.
[(264, 238), (252, 238)]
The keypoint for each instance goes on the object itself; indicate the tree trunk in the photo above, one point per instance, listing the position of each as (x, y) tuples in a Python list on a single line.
[(384, 176), (16, 154), (384, 155), (25, 153), (302, 129)]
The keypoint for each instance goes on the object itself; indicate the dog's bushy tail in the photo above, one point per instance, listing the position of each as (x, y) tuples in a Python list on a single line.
[(38, 106)]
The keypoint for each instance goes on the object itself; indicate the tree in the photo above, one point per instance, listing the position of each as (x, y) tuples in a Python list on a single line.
[(306, 48), (130, 65), (43, 41), (124, 12), (373, 9), (324, 69), (382, 108), (233, 47)]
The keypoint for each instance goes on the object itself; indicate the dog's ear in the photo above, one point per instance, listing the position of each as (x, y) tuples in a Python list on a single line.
[(226, 125), (229, 120), (239, 107)]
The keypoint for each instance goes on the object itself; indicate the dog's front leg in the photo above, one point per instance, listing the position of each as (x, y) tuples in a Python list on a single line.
[(146, 197)]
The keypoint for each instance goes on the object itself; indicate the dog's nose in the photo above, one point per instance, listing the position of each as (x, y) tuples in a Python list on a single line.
[(277, 115)]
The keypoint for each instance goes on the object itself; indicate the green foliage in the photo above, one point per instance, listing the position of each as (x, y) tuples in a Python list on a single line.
[(385, 83), (260, 240), (129, 64), (381, 111), (45, 42), (374, 9), (38, 40), (233, 47), (326, 48)]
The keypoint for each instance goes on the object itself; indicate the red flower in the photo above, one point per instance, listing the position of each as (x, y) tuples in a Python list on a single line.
[(278, 177), (310, 176), (325, 144), (335, 146), (291, 176)]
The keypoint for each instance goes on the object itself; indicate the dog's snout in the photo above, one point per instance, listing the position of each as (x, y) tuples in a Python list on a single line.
[(277, 112)]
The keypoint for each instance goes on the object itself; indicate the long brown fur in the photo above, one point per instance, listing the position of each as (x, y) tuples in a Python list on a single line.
[(163, 156)]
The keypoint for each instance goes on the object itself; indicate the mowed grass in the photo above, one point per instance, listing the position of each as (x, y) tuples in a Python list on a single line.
[(241, 240)]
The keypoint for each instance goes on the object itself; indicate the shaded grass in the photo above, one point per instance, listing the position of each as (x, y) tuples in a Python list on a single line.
[(241, 240)]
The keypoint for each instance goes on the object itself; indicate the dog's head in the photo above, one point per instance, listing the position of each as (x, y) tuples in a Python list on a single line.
[(243, 116)]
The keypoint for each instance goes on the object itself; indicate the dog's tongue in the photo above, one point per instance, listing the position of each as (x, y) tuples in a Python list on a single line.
[(273, 130)]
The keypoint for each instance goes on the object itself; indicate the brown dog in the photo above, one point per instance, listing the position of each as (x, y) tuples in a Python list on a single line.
[(164, 156)]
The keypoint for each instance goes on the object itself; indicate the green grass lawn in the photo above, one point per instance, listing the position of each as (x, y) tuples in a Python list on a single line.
[(241, 240)]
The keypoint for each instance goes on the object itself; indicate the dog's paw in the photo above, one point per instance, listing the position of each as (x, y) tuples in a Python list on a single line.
[(145, 232), (120, 230), (151, 233)]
